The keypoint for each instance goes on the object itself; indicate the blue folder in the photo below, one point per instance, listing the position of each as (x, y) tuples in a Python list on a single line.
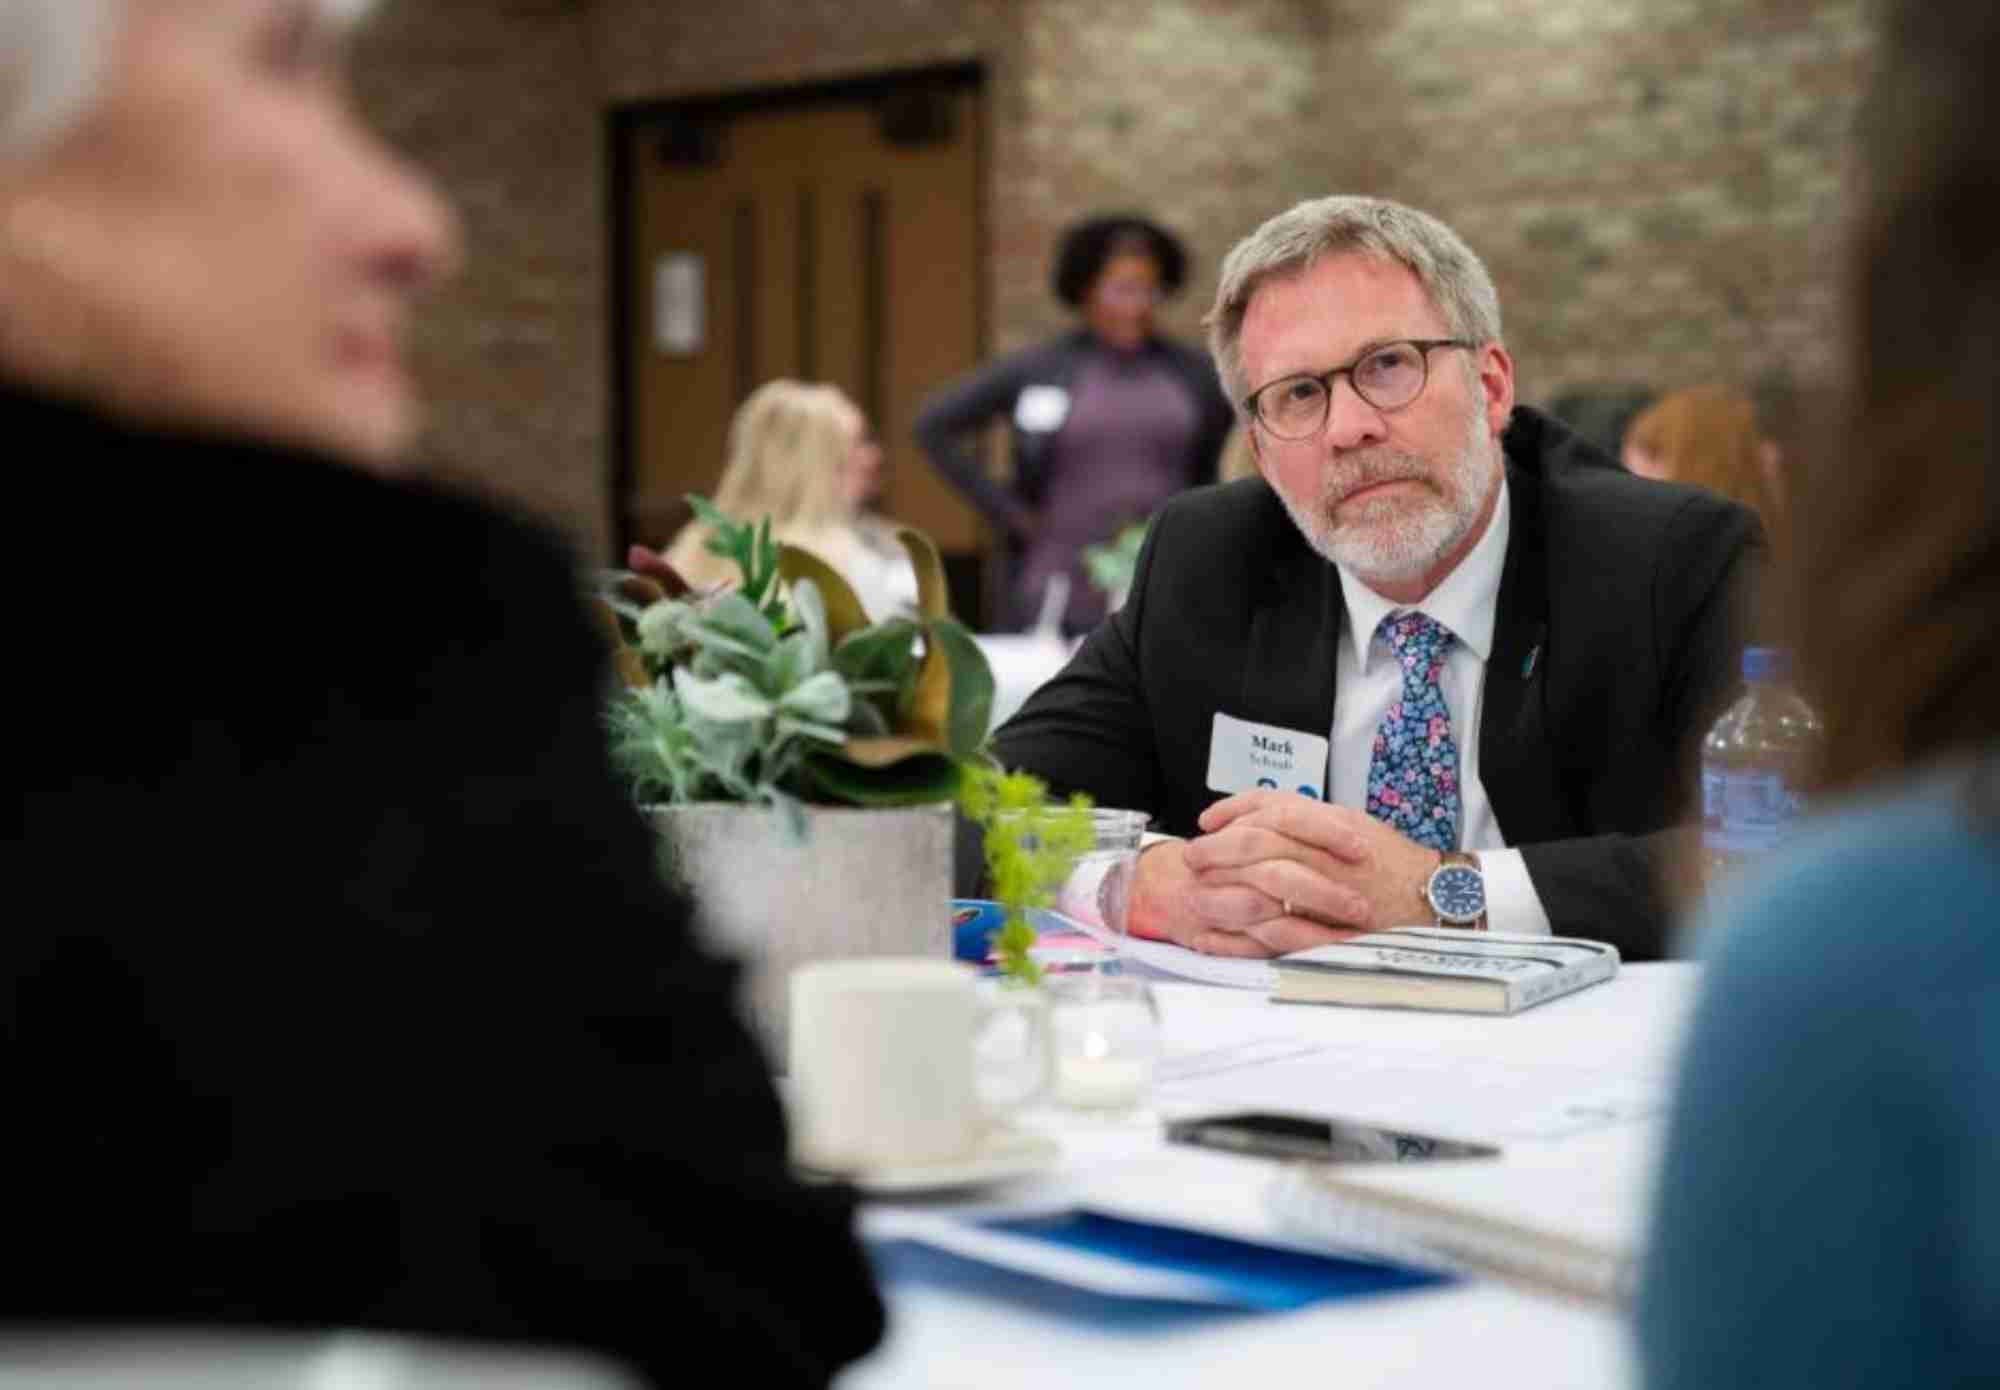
[(1256, 1278)]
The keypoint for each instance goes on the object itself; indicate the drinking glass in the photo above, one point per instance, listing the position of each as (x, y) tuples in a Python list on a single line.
[(1097, 890)]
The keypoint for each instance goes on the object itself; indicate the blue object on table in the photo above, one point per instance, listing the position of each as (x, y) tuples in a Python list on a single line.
[(1260, 1277), (973, 923), (909, 1262)]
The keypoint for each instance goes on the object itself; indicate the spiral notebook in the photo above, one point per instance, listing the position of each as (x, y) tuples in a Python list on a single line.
[(1568, 1218)]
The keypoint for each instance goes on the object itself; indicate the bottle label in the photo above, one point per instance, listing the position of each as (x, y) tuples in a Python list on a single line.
[(1747, 812)]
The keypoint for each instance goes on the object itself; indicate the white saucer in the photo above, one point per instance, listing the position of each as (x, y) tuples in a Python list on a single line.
[(1003, 1154)]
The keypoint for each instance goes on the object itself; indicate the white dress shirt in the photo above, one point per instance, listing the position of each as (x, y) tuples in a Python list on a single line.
[(1369, 679)]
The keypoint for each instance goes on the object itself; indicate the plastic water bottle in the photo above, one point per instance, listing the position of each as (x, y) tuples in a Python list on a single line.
[(1755, 764)]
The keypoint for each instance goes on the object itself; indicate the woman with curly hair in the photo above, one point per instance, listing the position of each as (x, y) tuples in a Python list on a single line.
[(1108, 420)]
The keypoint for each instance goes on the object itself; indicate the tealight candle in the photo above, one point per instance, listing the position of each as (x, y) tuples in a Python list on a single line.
[(1102, 1083), (1106, 1035)]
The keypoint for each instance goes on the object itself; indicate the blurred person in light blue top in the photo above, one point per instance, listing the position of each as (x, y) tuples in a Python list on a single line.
[(1828, 1211)]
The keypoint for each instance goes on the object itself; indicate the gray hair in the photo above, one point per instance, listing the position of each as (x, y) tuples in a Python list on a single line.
[(1290, 243), (53, 54)]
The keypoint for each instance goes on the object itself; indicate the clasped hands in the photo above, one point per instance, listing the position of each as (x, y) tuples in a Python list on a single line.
[(1275, 872)]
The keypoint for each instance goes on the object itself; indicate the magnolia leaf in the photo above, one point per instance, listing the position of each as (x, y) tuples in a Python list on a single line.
[(649, 566), (822, 697), (881, 751), (844, 613), (866, 721), (971, 687), (883, 653), (630, 669), (729, 698), (953, 700), (912, 781), (933, 599)]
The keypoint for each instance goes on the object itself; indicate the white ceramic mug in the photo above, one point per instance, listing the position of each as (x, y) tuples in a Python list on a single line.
[(882, 1062)]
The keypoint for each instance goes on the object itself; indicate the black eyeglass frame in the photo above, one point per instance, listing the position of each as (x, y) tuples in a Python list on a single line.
[(1424, 347)]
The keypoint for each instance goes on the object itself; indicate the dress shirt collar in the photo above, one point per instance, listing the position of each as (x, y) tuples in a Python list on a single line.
[(1466, 602)]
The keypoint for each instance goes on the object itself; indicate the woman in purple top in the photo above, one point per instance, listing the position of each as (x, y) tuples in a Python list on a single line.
[(1109, 420)]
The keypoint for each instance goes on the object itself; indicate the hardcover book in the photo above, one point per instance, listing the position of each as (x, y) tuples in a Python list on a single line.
[(1443, 968)]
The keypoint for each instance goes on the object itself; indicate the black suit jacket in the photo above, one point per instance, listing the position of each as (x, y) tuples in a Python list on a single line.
[(338, 987), (1629, 592)]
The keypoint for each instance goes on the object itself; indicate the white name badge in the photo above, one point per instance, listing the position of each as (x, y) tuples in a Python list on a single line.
[(1040, 409), (1245, 757)]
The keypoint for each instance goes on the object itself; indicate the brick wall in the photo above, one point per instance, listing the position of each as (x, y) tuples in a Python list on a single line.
[(1656, 184), (500, 101), (1205, 114)]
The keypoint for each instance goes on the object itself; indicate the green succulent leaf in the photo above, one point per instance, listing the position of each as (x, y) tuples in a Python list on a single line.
[(661, 630), (969, 697), (885, 652), (810, 611), (731, 623), (729, 698), (822, 697)]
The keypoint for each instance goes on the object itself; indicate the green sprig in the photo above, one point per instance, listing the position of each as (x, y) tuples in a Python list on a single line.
[(1031, 844)]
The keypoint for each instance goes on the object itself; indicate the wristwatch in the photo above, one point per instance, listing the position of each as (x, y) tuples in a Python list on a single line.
[(1456, 891)]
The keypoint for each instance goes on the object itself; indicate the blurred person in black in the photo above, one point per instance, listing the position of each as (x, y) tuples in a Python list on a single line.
[(1108, 420), (1600, 413), (339, 989)]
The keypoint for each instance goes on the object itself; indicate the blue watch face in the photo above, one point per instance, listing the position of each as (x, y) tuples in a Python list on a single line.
[(1458, 893)]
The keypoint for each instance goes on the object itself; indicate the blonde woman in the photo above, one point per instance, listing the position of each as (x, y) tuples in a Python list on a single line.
[(802, 454)]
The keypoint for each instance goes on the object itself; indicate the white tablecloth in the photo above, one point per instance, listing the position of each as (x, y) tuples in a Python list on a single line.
[(1620, 1035)]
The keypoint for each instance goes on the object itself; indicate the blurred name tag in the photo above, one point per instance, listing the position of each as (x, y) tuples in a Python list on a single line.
[(1244, 757), (1041, 409)]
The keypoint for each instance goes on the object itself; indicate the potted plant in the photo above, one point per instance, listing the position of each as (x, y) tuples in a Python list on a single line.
[(798, 760)]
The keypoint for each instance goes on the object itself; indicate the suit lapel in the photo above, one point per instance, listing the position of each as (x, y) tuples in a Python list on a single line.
[(1288, 663), (1517, 763)]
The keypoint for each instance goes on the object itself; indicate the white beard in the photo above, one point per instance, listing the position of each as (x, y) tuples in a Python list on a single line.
[(1396, 540)]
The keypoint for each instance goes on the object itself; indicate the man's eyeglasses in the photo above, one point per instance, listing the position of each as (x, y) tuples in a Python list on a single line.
[(1388, 376)]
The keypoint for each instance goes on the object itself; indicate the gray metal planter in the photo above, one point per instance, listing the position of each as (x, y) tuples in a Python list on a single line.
[(864, 883)]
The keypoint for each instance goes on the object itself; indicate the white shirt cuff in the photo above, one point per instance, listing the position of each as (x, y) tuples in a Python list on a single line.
[(1512, 904), (1077, 898)]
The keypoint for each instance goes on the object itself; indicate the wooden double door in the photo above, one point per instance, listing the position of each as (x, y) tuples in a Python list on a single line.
[(829, 234)]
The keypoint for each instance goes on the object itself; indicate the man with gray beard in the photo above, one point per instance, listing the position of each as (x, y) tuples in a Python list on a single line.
[(1443, 663)]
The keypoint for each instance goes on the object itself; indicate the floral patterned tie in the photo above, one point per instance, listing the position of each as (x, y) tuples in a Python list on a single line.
[(1413, 776)]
